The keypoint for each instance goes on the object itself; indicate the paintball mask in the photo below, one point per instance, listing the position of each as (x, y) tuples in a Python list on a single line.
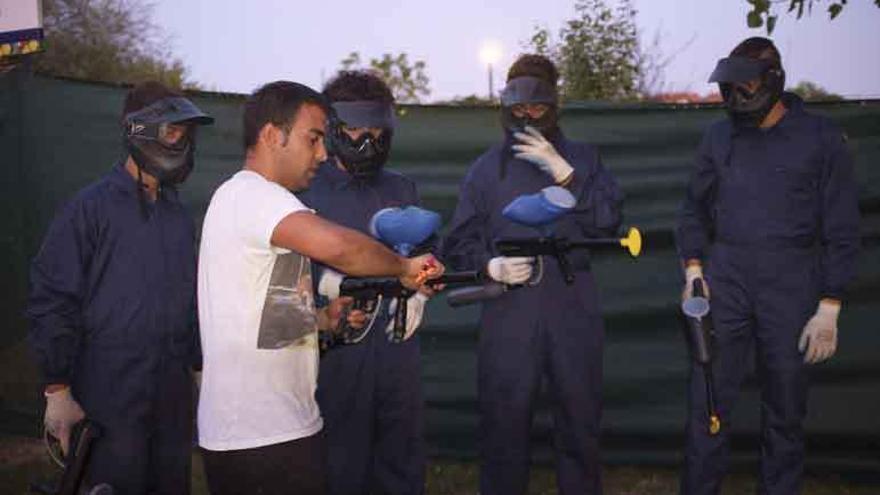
[(523, 90), (362, 157), (160, 141), (748, 108)]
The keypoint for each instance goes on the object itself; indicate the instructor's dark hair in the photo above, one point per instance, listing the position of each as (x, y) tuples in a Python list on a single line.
[(758, 47), (276, 103), (145, 94), (534, 65), (358, 85)]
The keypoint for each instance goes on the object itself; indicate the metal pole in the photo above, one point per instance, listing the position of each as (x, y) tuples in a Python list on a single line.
[(491, 95)]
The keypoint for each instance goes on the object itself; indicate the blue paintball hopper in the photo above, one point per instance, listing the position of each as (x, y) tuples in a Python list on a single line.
[(404, 228), (540, 209)]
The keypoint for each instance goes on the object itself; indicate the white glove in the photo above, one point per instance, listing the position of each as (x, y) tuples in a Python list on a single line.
[(415, 311), (513, 270), (533, 147), (328, 286), (691, 273), (62, 412), (819, 337)]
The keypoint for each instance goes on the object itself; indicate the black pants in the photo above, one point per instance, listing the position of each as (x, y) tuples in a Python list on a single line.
[(149, 449), (295, 467)]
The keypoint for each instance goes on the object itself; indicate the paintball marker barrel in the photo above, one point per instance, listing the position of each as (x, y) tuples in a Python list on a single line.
[(698, 319)]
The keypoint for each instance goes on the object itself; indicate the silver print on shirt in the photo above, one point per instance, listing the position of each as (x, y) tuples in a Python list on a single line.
[(289, 311)]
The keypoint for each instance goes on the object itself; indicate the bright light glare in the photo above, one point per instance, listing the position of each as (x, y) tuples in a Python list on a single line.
[(490, 52)]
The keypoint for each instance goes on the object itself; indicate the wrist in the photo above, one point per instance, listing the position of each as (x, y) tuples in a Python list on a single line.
[(53, 388), (692, 272), (323, 317), (829, 306), (566, 180), (562, 172)]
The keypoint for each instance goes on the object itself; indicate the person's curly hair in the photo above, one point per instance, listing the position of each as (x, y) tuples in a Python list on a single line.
[(535, 66), (357, 85)]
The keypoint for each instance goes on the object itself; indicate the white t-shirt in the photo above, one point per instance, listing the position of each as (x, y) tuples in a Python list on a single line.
[(257, 321)]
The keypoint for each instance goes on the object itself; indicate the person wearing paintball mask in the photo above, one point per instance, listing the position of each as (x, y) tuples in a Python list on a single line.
[(771, 212), (369, 391), (548, 330), (112, 304)]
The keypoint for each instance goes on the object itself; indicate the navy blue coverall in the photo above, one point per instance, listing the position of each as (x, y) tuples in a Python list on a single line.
[(552, 329), (773, 215), (370, 393), (112, 310)]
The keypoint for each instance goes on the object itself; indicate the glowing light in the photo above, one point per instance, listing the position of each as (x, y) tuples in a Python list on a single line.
[(490, 52)]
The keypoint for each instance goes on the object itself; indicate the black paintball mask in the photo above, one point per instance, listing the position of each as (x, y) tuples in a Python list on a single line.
[(524, 90), (153, 138), (365, 156), (748, 108)]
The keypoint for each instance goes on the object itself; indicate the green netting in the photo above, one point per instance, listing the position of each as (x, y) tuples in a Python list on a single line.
[(57, 136)]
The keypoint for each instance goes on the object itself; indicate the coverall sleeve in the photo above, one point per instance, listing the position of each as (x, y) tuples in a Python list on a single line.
[(599, 201), (840, 217), (57, 293), (693, 232), (466, 245)]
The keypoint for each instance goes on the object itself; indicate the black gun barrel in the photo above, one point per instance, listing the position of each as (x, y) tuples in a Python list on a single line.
[(451, 278), (473, 295)]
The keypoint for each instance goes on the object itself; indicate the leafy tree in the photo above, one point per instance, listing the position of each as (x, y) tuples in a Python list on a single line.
[(762, 11), (598, 53), (408, 81), (813, 92), (107, 40)]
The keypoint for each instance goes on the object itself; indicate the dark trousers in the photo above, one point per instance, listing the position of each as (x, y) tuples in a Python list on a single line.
[(149, 449), (519, 344), (295, 467), (760, 299), (370, 395)]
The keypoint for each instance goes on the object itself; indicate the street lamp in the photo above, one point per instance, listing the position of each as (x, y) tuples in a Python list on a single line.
[(490, 53)]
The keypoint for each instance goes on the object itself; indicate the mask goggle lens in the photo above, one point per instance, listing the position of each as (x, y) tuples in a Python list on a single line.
[(174, 135), (532, 110)]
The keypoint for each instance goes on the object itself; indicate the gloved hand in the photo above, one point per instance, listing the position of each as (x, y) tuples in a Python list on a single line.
[(691, 273), (62, 412), (535, 148), (510, 270), (415, 311), (328, 286), (819, 337)]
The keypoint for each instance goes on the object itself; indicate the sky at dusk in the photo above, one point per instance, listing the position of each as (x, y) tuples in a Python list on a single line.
[(236, 46)]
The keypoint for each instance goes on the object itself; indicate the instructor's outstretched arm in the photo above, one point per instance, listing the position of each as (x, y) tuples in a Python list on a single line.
[(350, 251)]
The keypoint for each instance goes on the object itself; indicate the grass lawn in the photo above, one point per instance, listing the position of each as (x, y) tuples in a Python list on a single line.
[(23, 460)]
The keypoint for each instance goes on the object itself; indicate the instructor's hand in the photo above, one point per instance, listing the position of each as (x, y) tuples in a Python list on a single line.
[(421, 269), (535, 148), (819, 337), (339, 308), (510, 270), (62, 412)]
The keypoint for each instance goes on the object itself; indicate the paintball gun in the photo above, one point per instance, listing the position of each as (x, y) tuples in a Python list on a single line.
[(82, 437), (404, 230), (698, 319), (540, 211)]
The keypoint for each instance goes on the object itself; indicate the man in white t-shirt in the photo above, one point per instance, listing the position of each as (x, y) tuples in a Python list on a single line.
[(258, 420)]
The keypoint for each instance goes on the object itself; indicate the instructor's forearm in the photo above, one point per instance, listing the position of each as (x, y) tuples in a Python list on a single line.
[(362, 256), (344, 249)]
